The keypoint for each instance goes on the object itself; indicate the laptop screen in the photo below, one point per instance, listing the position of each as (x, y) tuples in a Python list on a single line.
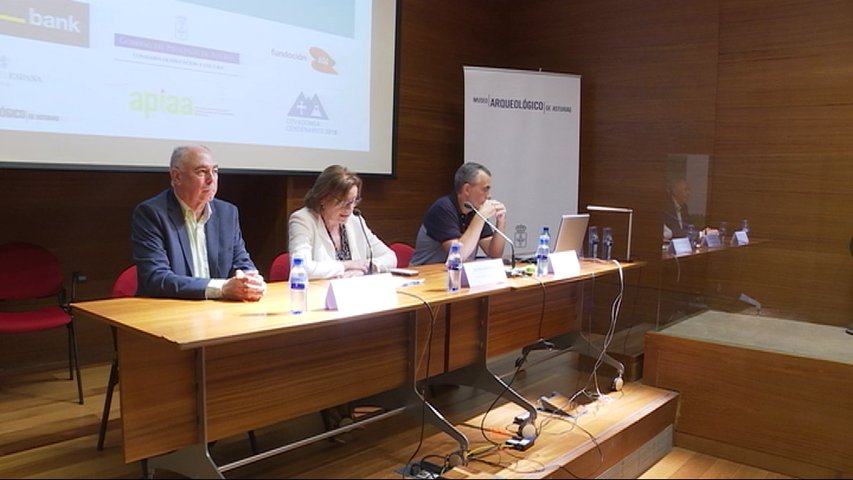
[(571, 233)]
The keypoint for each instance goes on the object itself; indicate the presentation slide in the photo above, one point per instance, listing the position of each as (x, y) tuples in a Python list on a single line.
[(270, 86)]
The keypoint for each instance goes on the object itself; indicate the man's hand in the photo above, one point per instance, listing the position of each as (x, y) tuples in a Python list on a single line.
[(500, 210), (492, 208), (245, 286)]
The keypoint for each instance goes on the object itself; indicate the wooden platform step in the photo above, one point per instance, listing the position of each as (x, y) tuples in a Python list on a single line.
[(778, 390), (621, 434), (618, 436)]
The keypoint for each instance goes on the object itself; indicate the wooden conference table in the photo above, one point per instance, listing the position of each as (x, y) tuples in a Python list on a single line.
[(197, 371)]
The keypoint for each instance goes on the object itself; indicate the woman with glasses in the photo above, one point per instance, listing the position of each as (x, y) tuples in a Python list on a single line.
[(330, 233)]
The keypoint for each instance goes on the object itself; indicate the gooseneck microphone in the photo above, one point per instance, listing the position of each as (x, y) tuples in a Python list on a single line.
[(357, 213), (496, 229)]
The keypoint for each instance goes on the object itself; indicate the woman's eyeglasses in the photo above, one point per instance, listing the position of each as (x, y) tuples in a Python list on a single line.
[(348, 203)]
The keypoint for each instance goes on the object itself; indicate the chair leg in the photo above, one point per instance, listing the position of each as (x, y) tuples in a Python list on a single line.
[(108, 400), (72, 339), (70, 351)]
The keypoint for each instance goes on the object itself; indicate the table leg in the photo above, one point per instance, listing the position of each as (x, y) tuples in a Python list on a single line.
[(193, 461)]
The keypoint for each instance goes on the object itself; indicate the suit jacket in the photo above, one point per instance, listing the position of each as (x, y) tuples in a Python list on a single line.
[(161, 248), (670, 217), (309, 237)]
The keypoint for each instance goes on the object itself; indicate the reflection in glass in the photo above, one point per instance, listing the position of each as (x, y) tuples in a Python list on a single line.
[(685, 199)]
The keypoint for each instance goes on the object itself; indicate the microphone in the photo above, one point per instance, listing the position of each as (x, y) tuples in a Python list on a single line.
[(357, 213), (495, 229)]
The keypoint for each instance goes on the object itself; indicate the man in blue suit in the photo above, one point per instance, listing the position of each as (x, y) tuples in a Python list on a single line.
[(188, 244)]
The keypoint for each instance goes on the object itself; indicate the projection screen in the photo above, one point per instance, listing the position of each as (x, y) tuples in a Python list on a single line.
[(269, 86)]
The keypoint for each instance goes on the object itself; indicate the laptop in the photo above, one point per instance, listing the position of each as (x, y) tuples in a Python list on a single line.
[(571, 233)]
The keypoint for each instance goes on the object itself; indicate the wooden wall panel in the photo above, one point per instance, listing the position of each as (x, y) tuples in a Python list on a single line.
[(763, 87), (648, 89), (783, 142)]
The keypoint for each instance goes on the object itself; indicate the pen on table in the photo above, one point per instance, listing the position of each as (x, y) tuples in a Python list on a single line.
[(409, 283)]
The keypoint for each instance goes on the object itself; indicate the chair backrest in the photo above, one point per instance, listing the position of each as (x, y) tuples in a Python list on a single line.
[(404, 253), (280, 268), (28, 271), (125, 284)]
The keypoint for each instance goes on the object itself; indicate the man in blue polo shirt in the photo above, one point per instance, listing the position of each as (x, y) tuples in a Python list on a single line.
[(448, 219)]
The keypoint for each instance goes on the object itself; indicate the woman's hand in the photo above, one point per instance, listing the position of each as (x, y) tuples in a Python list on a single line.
[(355, 267)]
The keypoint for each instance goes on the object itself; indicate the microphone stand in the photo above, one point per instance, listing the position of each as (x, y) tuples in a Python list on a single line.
[(357, 213), (497, 230)]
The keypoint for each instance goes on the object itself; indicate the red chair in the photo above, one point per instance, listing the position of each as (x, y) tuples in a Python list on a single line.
[(280, 268), (404, 253), (124, 286), (29, 273)]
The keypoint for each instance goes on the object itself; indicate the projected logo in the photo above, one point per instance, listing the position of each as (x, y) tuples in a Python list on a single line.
[(305, 107), (182, 28), (322, 61), (149, 103), (46, 20)]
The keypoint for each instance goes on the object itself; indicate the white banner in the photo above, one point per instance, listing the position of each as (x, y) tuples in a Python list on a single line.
[(524, 126)]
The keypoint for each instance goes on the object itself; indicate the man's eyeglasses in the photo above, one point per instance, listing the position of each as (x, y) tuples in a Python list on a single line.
[(348, 203), (203, 172)]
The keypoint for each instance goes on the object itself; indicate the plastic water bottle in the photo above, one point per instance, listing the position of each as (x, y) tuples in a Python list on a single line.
[(542, 252), (693, 235), (298, 286), (547, 233), (607, 243), (592, 250), (744, 225), (454, 267)]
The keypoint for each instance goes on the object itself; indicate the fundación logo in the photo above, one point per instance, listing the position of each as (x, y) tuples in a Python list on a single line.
[(322, 61), (47, 20)]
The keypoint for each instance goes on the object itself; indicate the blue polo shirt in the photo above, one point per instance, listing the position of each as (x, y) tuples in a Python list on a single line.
[(442, 222)]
